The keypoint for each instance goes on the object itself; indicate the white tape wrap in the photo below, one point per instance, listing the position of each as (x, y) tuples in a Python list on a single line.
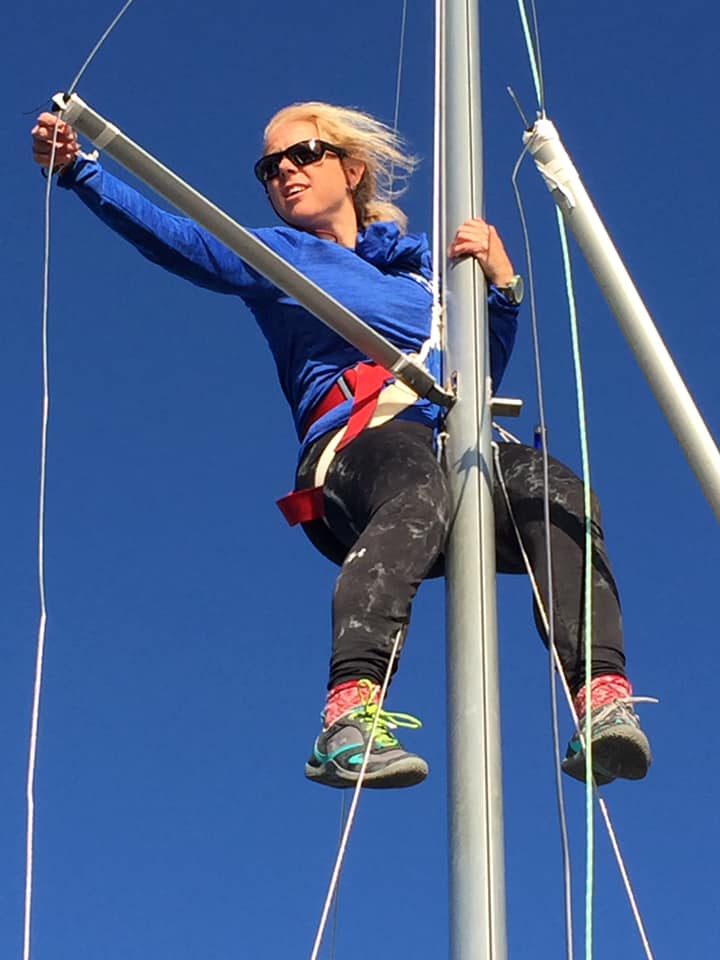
[(552, 159)]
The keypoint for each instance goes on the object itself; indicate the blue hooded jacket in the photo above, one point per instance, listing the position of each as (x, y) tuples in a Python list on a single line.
[(385, 280)]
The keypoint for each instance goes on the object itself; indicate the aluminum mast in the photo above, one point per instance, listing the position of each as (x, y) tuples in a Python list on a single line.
[(477, 874)]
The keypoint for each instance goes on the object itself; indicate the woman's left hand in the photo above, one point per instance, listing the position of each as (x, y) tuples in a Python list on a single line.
[(478, 239)]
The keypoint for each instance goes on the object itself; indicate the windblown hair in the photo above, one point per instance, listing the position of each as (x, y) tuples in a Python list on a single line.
[(379, 147)]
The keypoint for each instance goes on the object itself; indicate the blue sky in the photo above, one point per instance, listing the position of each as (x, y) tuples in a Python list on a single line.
[(188, 628)]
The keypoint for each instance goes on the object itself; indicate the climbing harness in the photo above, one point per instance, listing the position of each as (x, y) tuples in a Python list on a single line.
[(375, 402)]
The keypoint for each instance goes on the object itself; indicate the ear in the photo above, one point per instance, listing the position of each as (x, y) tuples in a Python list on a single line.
[(354, 170)]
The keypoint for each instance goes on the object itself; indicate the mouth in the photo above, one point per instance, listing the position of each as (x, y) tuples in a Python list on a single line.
[(289, 193)]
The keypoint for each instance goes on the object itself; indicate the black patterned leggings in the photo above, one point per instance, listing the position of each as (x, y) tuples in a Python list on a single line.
[(387, 517)]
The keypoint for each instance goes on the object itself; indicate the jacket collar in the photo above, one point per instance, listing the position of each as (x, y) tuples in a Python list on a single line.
[(385, 247)]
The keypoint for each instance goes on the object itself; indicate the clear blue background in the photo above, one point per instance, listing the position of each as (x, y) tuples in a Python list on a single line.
[(188, 628)]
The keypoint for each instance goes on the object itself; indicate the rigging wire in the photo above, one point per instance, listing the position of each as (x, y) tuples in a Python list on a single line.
[(91, 56), (538, 58), (587, 571), (513, 97), (401, 59), (533, 52), (533, 49), (549, 619), (398, 85), (42, 624), (335, 877), (568, 697)]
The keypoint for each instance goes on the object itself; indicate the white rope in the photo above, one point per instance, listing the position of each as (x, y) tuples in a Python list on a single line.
[(556, 669), (437, 330), (335, 878), (40, 644), (336, 898), (624, 874), (434, 340), (332, 892), (42, 624), (534, 585), (505, 434)]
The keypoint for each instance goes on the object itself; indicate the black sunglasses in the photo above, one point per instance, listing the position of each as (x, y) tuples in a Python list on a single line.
[(301, 154)]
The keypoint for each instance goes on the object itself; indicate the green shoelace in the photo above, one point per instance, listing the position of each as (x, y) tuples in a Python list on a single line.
[(386, 722)]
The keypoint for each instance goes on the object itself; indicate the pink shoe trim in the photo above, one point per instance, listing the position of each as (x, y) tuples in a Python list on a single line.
[(604, 689), (345, 696)]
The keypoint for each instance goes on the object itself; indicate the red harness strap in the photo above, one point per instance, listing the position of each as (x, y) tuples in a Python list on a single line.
[(369, 381), (302, 506), (364, 383)]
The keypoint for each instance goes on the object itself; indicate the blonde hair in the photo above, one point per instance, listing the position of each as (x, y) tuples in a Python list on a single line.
[(366, 139)]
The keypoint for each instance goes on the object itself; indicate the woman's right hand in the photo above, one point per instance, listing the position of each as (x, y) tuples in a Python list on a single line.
[(479, 239), (66, 145)]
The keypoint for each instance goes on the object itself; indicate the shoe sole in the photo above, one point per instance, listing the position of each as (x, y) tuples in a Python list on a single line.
[(614, 756), (404, 773)]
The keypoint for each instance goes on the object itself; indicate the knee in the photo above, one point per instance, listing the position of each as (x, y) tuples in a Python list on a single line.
[(524, 477)]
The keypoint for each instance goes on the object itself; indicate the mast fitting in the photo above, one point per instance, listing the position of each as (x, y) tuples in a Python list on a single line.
[(552, 159)]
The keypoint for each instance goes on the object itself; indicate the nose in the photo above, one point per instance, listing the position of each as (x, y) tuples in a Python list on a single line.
[(286, 167)]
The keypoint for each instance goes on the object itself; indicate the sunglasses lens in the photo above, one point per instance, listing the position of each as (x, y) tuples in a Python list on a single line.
[(268, 167), (308, 151), (301, 154)]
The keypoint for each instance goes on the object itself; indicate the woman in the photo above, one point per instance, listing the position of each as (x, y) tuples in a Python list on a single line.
[(371, 494)]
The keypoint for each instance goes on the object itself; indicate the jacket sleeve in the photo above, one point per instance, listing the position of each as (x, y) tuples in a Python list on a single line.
[(502, 321), (175, 243)]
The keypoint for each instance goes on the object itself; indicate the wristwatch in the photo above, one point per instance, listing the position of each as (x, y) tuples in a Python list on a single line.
[(513, 291)]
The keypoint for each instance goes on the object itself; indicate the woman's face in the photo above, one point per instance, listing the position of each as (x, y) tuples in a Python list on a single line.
[(317, 196)]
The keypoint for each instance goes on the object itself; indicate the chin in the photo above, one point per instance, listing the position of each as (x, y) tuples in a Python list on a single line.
[(292, 218)]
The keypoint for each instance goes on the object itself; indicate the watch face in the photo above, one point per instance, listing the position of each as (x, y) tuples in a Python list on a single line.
[(515, 290)]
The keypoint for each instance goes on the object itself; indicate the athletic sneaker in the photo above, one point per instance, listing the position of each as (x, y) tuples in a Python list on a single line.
[(339, 750), (619, 747)]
